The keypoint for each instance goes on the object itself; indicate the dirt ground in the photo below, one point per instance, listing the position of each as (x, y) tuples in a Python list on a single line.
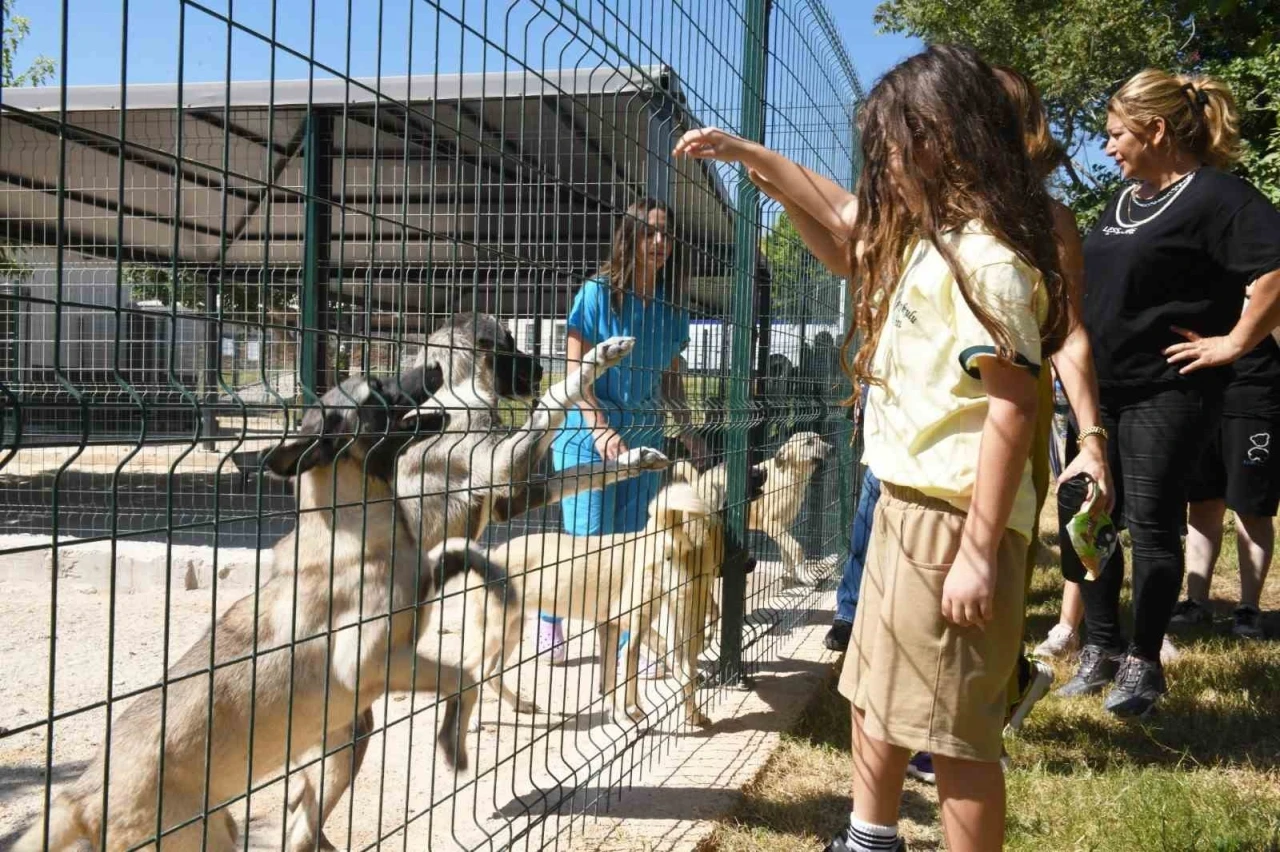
[(565, 759)]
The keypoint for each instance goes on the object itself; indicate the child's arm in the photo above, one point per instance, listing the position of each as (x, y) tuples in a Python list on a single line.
[(969, 589), (830, 249), (829, 205)]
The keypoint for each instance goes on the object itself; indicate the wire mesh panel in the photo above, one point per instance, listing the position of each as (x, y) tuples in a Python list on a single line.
[(801, 525), (400, 448)]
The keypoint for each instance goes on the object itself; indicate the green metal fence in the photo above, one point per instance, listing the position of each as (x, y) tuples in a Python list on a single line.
[(198, 246)]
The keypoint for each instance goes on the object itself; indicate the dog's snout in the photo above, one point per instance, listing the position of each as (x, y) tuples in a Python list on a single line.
[(749, 565)]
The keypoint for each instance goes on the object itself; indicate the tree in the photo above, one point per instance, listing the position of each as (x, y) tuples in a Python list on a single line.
[(16, 29), (800, 285), (1079, 51), (1255, 80), (195, 293)]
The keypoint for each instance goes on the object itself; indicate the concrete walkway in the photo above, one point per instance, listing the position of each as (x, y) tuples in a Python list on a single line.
[(674, 806)]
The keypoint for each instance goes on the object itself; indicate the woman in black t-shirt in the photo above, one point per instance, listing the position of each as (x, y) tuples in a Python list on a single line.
[(1240, 471), (1165, 272)]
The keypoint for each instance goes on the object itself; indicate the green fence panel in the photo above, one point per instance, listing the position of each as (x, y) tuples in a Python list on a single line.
[(226, 224)]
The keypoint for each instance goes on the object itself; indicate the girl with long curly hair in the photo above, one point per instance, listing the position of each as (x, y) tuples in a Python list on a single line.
[(949, 246)]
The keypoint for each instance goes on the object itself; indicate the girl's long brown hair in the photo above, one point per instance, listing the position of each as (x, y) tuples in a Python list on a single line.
[(959, 142), (619, 271), (1046, 153)]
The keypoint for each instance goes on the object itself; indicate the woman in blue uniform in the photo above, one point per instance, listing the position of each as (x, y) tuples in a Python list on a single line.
[(638, 293)]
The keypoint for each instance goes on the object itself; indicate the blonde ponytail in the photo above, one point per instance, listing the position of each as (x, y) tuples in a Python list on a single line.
[(1199, 113)]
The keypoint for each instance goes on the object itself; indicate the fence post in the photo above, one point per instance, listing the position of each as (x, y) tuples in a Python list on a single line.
[(313, 298), (851, 449), (746, 261)]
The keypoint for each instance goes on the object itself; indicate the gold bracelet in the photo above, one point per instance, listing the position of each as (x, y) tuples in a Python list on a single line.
[(1089, 433)]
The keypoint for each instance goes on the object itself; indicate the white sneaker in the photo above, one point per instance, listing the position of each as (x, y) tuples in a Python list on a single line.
[(1168, 653), (1041, 680), (1061, 643)]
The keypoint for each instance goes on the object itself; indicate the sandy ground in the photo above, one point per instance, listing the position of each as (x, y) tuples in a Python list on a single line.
[(525, 768)]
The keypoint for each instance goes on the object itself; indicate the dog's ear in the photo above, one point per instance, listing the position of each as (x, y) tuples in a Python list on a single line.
[(786, 454), (307, 449), (422, 381)]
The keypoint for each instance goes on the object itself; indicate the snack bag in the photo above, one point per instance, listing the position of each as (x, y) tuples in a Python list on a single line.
[(1092, 533)]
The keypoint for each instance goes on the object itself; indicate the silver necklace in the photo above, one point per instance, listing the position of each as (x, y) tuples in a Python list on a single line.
[(1126, 200)]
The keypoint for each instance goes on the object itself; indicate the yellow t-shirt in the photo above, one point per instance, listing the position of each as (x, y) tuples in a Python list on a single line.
[(923, 426)]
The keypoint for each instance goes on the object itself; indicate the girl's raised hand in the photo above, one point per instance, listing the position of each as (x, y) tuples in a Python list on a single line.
[(712, 143)]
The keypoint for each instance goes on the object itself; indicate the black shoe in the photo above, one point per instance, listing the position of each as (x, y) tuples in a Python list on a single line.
[(837, 638), (842, 842), (1246, 622), (1191, 614), (1098, 667), (1139, 685)]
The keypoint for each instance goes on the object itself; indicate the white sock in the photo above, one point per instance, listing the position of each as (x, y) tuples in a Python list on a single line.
[(867, 837)]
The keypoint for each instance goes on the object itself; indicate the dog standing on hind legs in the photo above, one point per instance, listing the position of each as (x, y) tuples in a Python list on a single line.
[(289, 646), (478, 470)]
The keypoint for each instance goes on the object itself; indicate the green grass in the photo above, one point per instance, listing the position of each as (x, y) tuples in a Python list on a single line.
[(1201, 774)]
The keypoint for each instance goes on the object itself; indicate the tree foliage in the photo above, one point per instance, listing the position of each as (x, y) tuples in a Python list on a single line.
[(1078, 52), (16, 29), (801, 287), (194, 292)]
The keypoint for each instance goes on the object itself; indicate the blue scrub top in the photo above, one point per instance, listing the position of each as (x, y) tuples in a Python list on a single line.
[(628, 393)]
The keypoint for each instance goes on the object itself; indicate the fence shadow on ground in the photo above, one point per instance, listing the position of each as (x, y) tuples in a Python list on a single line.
[(14, 779)]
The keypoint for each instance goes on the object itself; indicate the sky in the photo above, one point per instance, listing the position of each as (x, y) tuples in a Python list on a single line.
[(95, 56)]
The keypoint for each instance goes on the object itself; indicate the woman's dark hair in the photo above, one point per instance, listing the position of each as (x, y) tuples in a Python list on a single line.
[(945, 116), (620, 269)]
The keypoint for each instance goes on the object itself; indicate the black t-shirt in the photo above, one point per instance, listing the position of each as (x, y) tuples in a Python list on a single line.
[(1185, 263), (1254, 389)]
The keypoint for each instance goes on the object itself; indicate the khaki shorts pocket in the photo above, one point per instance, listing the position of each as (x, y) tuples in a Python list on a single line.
[(928, 538)]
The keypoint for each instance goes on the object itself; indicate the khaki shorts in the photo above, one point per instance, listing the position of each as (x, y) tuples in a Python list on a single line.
[(921, 682)]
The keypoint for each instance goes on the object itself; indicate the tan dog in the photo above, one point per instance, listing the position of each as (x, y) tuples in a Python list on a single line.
[(479, 470), (787, 478), (619, 582), (329, 634)]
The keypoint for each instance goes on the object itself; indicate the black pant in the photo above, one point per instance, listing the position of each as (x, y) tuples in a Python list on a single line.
[(1155, 440)]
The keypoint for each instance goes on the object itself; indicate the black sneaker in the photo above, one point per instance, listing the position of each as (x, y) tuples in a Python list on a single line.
[(837, 638), (1139, 685), (843, 842), (1246, 622), (1098, 667), (1191, 614)]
